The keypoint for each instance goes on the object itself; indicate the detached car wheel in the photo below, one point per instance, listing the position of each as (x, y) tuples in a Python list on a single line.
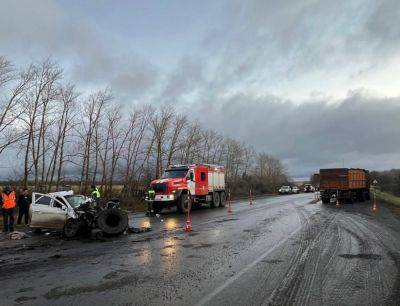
[(112, 221), (71, 228)]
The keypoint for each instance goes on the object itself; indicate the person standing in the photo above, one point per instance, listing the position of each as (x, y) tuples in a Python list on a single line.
[(95, 193), (8, 203), (150, 196), (24, 201)]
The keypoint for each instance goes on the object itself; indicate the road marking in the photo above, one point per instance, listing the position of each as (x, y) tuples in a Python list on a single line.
[(218, 290)]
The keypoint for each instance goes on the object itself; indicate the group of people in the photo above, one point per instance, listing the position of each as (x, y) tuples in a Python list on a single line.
[(8, 204), (9, 201)]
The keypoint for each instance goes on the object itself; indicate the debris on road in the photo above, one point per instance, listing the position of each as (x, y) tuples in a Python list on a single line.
[(17, 235), (138, 230)]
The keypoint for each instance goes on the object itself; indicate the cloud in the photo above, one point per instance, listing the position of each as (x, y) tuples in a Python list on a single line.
[(282, 75), (360, 129), (93, 55)]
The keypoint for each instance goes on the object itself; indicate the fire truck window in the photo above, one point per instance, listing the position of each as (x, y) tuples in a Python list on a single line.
[(203, 176)]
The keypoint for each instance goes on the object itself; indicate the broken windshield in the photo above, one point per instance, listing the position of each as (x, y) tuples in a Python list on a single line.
[(76, 200)]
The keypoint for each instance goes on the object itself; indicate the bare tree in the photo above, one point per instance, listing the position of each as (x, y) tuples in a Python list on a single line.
[(160, 122), (92, 114), (68, 98), (44, 77), (14, 86), (180, 121)]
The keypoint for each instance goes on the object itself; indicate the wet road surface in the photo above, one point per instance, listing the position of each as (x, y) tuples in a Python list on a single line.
[(279, 251)]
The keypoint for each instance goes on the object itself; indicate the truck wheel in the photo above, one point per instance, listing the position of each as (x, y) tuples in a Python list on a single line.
[(71, 228), (112, 221), (216, 200), (222, 200), (349, 198), (157, 207), (361, 197), (326, 200), (182, 203)]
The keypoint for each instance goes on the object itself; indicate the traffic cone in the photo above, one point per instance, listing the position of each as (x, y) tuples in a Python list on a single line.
[(374, 207), (337, 199), (229, 202), (251, 198), (188, 224)]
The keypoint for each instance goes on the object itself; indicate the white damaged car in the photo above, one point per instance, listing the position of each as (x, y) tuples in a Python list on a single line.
[(72, 214)]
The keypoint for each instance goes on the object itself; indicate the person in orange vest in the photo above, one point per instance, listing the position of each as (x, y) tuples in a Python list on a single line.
[(8, 203)]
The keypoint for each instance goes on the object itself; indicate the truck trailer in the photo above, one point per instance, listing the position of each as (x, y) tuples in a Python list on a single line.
[(348, 184), (204, 183)]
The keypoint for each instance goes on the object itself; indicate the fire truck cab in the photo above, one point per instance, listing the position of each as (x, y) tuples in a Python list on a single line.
[(204, 183)]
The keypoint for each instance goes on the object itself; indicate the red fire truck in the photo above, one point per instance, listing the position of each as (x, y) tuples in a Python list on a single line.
[(205, 183)]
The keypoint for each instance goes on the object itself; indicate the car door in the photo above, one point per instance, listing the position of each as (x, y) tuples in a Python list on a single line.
[(45, 214), (38, 210), (58, 213)]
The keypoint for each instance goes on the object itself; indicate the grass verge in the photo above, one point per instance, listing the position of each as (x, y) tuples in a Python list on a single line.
[(390, 201), (388, 198)]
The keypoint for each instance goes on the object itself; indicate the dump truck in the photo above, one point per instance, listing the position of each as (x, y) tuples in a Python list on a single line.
[(204, 183), (347, 184)]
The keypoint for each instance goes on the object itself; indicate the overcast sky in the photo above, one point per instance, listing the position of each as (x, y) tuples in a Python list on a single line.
[(315, 83)]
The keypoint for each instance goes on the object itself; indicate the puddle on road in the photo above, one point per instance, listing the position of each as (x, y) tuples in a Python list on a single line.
[(194, 256), (142, 240), (203, 245), (226, 220), (197, 246), (272, 261), (362, 256), (25, 289), (25, 299), (114, 274)]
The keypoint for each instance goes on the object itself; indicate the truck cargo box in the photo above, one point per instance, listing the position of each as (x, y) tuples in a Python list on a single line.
[(348, 184), (343, 179)]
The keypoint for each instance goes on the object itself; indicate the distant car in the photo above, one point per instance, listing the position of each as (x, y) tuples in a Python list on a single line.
[(309, 188), (295, 189), (285, 190)]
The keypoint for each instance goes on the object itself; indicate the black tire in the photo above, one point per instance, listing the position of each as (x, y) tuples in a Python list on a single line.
[(349, 198), (222, 201), (71, 228), (326, 200), (112, 221), (157, 207), (182, 203), (96, 234), (361, 196), (216, 200), (367, 196)]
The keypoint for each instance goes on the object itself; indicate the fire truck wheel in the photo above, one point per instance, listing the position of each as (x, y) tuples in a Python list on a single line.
[(182, 203), (222, 201), (216, 200), (157, 207)]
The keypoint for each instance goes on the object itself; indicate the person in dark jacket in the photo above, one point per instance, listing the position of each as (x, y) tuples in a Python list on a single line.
[(24, 202)]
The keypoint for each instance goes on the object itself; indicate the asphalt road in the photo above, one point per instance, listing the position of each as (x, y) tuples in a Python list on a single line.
[(279, 251)]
